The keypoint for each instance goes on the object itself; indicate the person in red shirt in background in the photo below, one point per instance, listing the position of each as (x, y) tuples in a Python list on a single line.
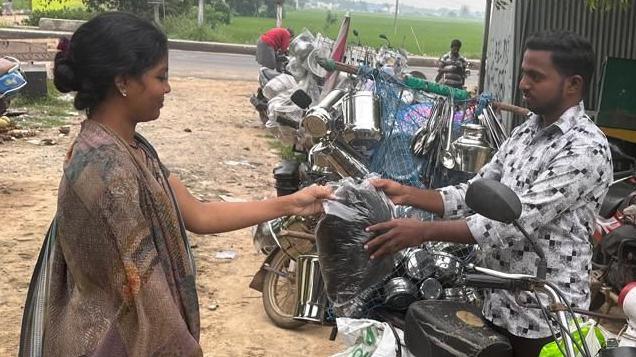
[(273, 42)]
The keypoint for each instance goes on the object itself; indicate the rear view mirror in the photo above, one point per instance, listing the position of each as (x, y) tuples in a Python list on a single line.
[(301, 99), (493, 200)]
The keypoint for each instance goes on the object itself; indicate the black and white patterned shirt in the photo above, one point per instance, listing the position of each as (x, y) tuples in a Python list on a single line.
[(448, 59), (561, 173)]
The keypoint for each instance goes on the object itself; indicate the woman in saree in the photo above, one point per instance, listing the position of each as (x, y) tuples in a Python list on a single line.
[(115, 276)]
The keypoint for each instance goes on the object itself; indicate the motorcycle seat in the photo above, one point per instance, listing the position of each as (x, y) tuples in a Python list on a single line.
[(615, 196), (443, 328)]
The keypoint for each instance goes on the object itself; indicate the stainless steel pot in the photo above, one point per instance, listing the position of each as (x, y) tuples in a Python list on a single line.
[(455, 294), (399, 293), (447, 268), (263, 235), (399, 258), (431, 289), (471, 149), (337, 158), (361, 114), (317, 158), (419, 265), (312, 298), (318, 119), (301, 47)]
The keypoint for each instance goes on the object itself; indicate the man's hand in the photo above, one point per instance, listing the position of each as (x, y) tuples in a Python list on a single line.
[(398, 234), (398, 193), (308, 201)]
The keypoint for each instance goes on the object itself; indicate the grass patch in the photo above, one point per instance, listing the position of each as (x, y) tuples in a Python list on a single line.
[(433, 33), (50, 111), (21, 5), (185, 27), (286, 151)]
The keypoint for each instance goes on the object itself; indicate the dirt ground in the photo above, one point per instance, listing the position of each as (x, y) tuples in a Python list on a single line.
[(205, 128)]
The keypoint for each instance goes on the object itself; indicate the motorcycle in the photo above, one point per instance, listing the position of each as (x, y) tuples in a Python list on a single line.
[(289, 240), (343, 135), (258, 100), (336, 133), (614, 238), (428, 331)]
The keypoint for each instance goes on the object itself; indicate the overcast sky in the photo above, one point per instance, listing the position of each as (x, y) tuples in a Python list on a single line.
[(474, 5)]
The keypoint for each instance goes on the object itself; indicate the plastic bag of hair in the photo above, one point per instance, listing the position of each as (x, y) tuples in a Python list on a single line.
[(279, 84), (351, 279)]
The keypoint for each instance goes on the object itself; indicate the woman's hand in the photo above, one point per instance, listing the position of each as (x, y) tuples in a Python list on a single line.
[(398, 234), (308, 201), (398, 193)]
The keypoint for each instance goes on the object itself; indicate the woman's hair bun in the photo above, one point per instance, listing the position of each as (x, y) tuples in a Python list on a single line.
[(64, 76)]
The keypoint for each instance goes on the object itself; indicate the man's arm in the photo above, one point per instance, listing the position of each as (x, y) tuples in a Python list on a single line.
[(578, 175), (447, 202), (400, 234)]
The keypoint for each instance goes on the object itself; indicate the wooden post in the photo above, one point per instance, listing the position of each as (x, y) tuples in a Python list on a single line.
[(200, 14), (279, 13)]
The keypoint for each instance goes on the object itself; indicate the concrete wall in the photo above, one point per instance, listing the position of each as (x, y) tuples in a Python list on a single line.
[(500, 57)]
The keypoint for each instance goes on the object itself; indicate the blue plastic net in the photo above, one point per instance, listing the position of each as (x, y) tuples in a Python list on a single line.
[(399, 121), (393, 157)]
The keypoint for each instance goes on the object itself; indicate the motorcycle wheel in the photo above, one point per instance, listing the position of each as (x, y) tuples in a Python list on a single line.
[(279, 293)]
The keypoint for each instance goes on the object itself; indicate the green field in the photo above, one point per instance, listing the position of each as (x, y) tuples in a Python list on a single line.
[(434, 34)]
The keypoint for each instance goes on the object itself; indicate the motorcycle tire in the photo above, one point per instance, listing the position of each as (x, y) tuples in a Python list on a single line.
[(263, 116), (597, 298), (281, 315)]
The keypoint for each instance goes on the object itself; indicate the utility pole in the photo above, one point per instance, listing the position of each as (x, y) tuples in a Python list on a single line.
[(484, 49), (397, 6), (279, 13)]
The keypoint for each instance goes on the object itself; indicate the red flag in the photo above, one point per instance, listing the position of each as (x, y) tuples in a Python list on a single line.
[(337, 53)]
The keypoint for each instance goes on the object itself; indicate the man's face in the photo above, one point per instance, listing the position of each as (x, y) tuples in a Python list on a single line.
[(541, 84), (455, 50)]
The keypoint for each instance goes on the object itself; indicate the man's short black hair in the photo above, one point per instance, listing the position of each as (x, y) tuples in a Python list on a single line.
[(571, 53), (456, 43)]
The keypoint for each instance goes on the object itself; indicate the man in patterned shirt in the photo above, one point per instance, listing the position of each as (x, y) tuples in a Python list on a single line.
[(452, 67), (558, 163)]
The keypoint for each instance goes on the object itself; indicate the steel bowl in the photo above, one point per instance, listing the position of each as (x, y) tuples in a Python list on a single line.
[(419, 264), (399, 293)]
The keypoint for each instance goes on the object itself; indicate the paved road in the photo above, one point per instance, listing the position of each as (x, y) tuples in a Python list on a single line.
[(238, 67), (212, 65)]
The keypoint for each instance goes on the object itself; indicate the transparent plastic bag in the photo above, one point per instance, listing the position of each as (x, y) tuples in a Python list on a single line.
[(370, 338), (352, 280), (282, 105), (279, 84)]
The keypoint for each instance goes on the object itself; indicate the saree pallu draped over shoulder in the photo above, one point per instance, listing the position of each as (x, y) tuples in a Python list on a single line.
[(115, 276)]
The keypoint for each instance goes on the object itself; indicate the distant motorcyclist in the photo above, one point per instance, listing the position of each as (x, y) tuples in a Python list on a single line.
[(452, 67), (272, 43)]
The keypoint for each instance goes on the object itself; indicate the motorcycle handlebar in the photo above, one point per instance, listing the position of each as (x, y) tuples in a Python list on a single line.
[(281, 119), (489, 282)]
